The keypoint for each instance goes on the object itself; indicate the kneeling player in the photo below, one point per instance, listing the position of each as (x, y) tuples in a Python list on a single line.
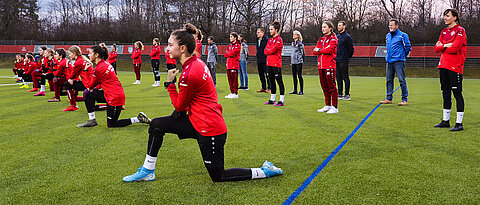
[(111, 92), (204, 122)]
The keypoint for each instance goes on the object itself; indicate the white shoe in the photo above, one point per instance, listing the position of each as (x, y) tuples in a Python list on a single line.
[(333, 110), (232, 96), (324, 109), (137, 82), (155, 85)]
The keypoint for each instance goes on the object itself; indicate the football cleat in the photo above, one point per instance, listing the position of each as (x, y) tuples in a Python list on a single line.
[(346, 97), (270, 170), (270, 102), (33, 90), (143, 174), (54, 100), (143, 118), (333, 110), (41, 93), (443, 124), (25, 86), (89, 123), (70, 108), (324, 109), (279, 103), (457, 127)]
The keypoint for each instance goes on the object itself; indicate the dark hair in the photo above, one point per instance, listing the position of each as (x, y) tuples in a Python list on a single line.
[(199, 35), (261, 29), (184, 37), (276, 25), (22, 55), (210, 38), (343, 22), (101, 51), (29, 56), (235, 35), (156, 40), (243, 39), (61, 52), (329, 24), (43, 48), (115, 46), (394, 20), (454, 14), (190, 27)]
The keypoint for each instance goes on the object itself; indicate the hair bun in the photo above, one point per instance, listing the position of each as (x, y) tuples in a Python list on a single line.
[(190, 28)]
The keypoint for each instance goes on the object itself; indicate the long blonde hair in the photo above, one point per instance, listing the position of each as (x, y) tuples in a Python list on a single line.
[(140, 44), (78, 52), (296, 32)]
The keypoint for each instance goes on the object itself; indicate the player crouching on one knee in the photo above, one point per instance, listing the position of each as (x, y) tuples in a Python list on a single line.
[(204, 122), (111, 92)]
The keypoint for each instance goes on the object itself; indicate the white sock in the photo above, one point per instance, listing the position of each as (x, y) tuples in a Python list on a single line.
[(459, 117), (272, 97), (42, 88), (16, 76), (20, 78), (282, 98), (138, 81), (150, 162), (134, 120), (257, 173), (91, 115), (157, 82), (446, 114)]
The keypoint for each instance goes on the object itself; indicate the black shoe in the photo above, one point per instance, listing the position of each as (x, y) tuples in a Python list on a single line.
[(143, 118), (443, 124), (293, 92), (300, 93), (458, 127), (270, 102)]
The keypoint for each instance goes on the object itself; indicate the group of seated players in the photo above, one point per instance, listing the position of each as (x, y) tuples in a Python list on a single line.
[(99, 84)]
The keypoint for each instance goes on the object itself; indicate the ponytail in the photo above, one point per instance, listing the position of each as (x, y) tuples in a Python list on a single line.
[(102, 51), (185, 37)]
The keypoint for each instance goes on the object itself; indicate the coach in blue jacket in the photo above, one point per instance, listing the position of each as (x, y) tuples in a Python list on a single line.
[(398, 48)]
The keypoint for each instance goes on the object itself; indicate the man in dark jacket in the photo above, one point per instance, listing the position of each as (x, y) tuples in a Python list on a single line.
[(344, 53), (261, 43)]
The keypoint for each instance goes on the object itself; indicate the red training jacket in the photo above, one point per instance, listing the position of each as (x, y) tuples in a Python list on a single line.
[(233, 56), (198, 48), (155, 53), (104, 75), (273, 50), (49, 64), (197, 95), (137, 56), (30, 67), (453, 58), (170, 60), (19, 65), (80, 68), (112, 57), (60, 68), (328, 51)]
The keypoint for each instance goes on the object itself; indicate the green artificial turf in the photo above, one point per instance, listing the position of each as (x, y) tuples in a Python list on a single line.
[(397, 157)]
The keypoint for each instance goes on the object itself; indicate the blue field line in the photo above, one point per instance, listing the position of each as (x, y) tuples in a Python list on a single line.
[(304, 185)]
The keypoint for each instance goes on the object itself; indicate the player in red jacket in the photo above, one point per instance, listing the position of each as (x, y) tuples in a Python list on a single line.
[(326, 50), (137, 60), (204, 122), (28, 68), (47, 70), (112, 57), (452, 43), (111, 91), (171, 63), (59, 71), (37, 72), (81, 67), (17, 70), (233, 55), (273, 50), (155, 59)]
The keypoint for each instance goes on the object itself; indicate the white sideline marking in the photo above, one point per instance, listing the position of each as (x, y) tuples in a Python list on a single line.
[(7, 76), (10, 84)]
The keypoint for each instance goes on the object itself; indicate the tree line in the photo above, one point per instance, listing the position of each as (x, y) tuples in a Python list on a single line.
[(131, 20)]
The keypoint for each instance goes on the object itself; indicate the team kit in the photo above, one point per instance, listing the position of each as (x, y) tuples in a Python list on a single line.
[(197, 114)]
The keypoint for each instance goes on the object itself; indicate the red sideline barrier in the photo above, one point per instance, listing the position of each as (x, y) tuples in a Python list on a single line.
[(360, 51)]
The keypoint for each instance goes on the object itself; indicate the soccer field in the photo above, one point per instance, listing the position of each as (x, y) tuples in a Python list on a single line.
[(396, 157)]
